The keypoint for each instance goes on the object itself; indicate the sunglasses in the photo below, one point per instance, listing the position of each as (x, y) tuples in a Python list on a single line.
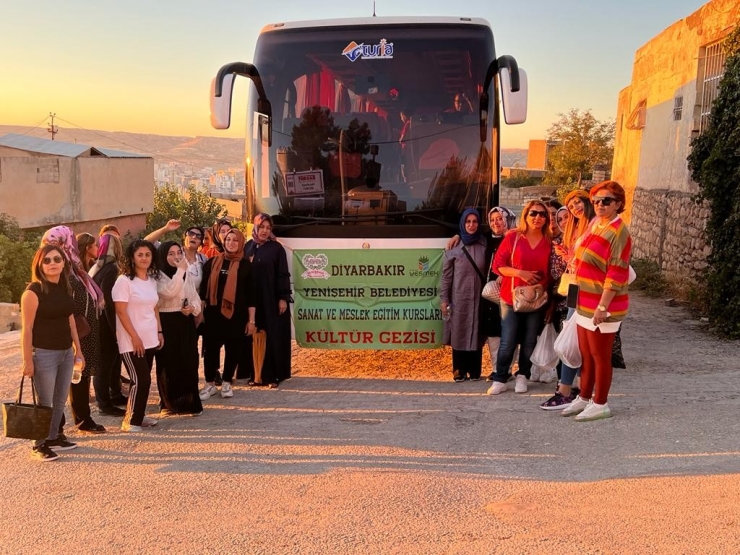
[(194, 234), (606, 201), (535, 213), (55, 259)]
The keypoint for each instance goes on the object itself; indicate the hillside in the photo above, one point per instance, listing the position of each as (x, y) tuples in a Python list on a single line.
[(215, 152)]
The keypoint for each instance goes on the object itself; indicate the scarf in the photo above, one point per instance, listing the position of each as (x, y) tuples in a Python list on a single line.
[(106, 254), (163, 265), (258, 219), (229, 298), (508, 215), (215, 240), (65, 239), (467, 238)]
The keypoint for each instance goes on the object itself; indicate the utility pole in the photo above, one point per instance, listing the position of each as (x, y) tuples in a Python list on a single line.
[(53, 129)]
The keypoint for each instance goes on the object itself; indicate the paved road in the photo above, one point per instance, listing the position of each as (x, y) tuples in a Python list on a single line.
[(326, 465)]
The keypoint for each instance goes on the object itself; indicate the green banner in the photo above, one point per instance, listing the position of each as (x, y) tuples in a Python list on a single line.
[(367, 299)]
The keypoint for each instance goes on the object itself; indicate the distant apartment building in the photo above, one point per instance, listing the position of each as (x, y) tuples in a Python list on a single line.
[(45, 183), (675, 80)]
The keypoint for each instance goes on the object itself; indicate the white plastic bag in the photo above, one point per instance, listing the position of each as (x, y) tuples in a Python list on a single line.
[(566, 345), (544, 354)]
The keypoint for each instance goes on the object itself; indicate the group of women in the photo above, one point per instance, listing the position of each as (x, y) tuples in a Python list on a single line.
[(585, 243), (92, 304)]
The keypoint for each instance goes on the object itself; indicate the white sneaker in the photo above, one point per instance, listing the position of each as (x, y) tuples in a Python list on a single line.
[(520, 385), (576, 407), (496, 388), (208, 391), (226, 390), (534, 373), (594, 412), (548, 376), (148, 422), (126, 427)]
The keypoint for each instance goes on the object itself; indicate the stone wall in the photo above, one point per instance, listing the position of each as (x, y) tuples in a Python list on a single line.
[(668, 228), (516, 198), (10, 318)]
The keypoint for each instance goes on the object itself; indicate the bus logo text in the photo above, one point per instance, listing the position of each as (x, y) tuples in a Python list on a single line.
[(381, 51)]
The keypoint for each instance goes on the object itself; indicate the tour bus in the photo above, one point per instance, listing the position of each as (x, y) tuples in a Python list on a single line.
[(366, 140)]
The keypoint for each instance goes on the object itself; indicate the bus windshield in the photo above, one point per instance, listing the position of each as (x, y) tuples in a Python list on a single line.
[(374, 129)]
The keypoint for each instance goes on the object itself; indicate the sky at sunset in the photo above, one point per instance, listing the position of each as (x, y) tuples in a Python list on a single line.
[(145, 66)]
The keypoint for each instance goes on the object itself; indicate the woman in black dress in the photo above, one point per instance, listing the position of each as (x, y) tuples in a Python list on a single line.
[(272, 285), (177, 360)]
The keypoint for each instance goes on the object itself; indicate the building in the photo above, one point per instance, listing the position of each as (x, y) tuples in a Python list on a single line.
[(45, 183), (675, 80)]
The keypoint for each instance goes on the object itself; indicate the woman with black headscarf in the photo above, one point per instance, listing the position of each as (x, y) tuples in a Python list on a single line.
[(460, 289), (272, 284), (177, 361)]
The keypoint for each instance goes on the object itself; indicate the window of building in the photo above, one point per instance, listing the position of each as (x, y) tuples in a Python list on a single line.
[(711, 69), (677, 108)]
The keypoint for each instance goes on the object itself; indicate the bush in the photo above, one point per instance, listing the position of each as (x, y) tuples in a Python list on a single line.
[(649, 278), (192, 208), (714, 163), (16, 253)]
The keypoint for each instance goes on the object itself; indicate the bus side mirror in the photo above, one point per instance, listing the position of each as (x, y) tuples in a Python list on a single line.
[(221, 105), (515, 103)]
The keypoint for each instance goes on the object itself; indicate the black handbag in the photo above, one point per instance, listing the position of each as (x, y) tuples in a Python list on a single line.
[(26, 421)]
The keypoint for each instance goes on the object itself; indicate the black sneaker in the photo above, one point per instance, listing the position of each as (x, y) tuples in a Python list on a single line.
[(219, 380), (89, 425), (43, 453), (489, 377), (60, 444), (112, 411)]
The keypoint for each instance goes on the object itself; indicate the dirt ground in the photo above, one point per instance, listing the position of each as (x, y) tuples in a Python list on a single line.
[(380, 452)]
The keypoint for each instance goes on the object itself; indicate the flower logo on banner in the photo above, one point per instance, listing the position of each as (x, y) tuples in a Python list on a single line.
[(314, 265)]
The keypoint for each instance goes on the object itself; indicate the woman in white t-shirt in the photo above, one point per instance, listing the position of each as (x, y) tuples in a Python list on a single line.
[(138, 330)]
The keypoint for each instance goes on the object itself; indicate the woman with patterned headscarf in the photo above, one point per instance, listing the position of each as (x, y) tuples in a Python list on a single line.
[(463, 275), (88, 299), (107, 382), (272, 286), (227, 290)]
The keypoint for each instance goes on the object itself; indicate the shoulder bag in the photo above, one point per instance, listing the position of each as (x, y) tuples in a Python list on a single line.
[(528, 298), (492, 290), (26, 421), (83, 326)]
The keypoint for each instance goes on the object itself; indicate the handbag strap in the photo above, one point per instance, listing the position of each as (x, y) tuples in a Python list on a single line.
[(513, 250), (472, 262), (19, 399)]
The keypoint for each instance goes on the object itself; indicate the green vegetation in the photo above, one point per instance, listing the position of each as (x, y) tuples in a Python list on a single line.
[(649, 278), (17, 248), (581, 143), (520, 178), (193, 208), (714, 163)]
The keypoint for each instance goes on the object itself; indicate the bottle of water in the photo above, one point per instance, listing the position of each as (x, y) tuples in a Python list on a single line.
[(77, 370)]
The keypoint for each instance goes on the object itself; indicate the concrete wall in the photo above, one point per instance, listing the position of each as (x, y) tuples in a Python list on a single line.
[(651, 146), (43, 190), (516, 198)]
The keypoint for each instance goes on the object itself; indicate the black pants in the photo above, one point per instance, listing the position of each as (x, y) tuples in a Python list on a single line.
[(140, 370), (234, 351), (467, 363), (107, 382), (79, 400)]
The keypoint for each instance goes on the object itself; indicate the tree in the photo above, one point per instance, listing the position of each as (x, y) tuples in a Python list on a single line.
[(16, 253), (580, 143), (192, 208), (714, 163)]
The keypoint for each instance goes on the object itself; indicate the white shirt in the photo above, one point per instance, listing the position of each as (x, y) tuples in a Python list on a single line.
[(141, 296)]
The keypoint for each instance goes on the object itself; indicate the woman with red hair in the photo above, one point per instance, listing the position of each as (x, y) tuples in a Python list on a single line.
[(602, 272)]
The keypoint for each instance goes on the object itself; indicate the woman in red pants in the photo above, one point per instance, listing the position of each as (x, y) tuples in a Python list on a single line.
[(602, 272)]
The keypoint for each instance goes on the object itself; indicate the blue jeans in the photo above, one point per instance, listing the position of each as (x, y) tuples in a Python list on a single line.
[(51, 377), (517, 328), (568, 374)]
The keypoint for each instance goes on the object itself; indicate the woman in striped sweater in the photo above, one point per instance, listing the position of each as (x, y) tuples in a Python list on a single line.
[(602, 271)]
